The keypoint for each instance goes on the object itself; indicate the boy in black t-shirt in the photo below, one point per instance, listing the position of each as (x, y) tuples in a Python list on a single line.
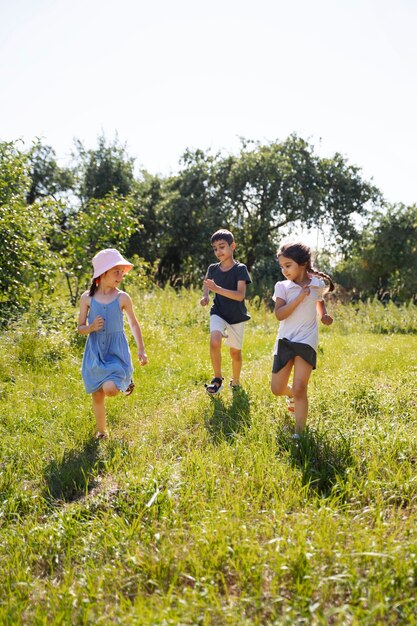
[(228, 280)]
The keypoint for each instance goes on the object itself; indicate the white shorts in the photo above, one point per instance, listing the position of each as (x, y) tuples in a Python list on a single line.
[(233, 333)]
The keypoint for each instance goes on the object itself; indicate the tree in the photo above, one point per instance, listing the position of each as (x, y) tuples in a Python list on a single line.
[(27, 263), (106, 223), (275, 185), (46, 177), (106, 169), (179, 214), (148, 196), (384, 262), (256, 194)]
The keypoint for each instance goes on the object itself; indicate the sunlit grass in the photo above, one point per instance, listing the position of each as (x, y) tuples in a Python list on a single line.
[(202, 510)]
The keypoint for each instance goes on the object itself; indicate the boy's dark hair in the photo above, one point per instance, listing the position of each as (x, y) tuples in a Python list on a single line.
[(301, 254), (222, 233)]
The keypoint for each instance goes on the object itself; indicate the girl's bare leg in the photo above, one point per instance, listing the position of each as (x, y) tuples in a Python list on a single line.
[(236, 355), (99, 410), (279, 381), (302, 372)]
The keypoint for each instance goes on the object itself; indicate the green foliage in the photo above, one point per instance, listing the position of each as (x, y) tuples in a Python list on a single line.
[(274, 185), (46, 177), (190, 211), (202, 510), (106, 169), (28, 265), (104, 223), (13, 173), (385, 260), (373, 316), (256, 194)]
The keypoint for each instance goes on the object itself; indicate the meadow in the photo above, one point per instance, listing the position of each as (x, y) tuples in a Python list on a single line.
[(203, 510)]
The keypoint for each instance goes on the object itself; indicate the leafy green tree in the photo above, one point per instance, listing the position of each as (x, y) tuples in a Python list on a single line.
[(178, 214), (106, 223), (384, 262), (14, 179), (104, 170), (148, 198), (27, 263), (191, 211), (47, 179), (278, 185)]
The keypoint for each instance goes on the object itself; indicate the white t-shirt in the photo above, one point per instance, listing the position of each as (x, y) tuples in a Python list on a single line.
[(301, 326)]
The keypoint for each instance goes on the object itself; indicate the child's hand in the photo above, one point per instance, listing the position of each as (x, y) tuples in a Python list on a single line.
[(210, 284), (204, 301), (97, 324), (143, 358), (305, 291), (326, 320)]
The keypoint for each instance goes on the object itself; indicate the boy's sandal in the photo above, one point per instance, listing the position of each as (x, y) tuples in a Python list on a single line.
[(233, 387), (102, 435), (130, 389), (290, 404), (215, 386)]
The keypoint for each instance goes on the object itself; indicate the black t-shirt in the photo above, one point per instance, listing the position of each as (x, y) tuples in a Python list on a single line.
[(231, 311)]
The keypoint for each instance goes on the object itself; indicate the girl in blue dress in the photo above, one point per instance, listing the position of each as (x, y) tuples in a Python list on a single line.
[(107, 364)]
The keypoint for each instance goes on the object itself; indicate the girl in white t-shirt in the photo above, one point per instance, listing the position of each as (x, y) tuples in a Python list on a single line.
[(298, 300)]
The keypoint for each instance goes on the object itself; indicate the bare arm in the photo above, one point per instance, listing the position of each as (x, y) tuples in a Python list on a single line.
[(238, 295), (205, 299), (284, 309), (326, 319), (127, 306), (83, 327)]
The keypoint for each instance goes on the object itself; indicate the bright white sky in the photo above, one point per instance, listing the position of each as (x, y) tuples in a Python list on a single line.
[(170, 74)]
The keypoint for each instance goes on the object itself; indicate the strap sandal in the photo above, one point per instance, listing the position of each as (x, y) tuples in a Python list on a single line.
[(102, 435), (290, 404), (130, 389), (234, 387), (214, 387)]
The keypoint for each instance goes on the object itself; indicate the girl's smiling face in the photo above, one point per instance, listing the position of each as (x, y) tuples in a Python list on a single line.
[(115, 274), (291, 269)]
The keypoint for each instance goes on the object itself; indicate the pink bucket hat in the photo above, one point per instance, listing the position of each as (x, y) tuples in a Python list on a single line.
[(106, 259)]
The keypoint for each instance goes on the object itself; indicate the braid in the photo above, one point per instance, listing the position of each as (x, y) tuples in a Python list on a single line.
[(93, 288), (323, 275)]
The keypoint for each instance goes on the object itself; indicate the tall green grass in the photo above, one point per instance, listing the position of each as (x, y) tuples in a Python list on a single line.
[(202, 510)]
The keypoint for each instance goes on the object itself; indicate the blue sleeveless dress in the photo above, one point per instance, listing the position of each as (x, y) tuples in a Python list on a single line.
[(107, 355)]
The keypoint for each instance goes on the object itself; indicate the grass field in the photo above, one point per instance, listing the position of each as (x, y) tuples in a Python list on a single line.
[(202, 510)]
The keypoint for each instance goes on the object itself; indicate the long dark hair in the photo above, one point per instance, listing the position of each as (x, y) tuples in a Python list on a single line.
[(301, 254), (93, 287)]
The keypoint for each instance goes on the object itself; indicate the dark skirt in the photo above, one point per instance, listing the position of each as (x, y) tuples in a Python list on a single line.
[(287, 350)]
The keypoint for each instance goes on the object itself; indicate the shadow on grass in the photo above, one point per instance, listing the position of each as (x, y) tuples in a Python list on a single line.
[(226, 420), (74, 475), (323, 461)]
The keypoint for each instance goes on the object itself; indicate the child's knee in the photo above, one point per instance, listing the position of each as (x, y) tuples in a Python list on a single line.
[(236, 354), (278, 390), (110, 388), (299, 389), (279, 387), (216, 339)]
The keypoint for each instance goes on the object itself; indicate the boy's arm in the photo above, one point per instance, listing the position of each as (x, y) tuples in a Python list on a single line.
[(238, 295), (205, 299), (322, 311)]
